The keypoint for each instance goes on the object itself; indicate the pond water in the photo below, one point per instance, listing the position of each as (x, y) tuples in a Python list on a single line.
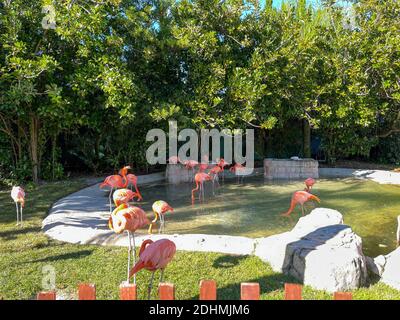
[(253, 207)]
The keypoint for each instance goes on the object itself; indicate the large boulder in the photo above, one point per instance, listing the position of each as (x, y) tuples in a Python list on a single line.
[(320, 251), (391, 269)]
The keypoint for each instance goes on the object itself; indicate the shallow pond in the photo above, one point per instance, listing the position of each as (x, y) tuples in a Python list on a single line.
[(253, 207)]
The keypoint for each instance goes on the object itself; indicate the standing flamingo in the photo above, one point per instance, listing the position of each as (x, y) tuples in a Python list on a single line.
[(199, 178), (174, 160), (239, 170), (116, 181), (309, 184), (300, 197), (121, 196), (129, 219), (214, 172), (18, 195), (154, 256), (160, 208), (132, 181), (190, 164), (222, 164)]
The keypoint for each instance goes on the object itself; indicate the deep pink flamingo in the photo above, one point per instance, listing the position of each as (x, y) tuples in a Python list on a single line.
[(199, 178), (18, 195), (160, 208), (129, 219), (300, 197), (116, 181), (154, 256), (132, 181)]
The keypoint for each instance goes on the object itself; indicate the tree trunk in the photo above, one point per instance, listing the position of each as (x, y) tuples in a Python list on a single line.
[(34, 138), (306, 139)]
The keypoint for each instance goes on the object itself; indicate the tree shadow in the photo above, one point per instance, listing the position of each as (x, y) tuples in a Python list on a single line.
[(72, 255), (13, 233), (227, 261)]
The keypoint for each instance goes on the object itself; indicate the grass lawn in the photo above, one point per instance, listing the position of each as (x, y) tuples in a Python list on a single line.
[(25, 251)]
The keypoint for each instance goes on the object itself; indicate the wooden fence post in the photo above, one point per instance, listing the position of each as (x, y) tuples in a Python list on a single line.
[(293, 291), (342, 296), (86, 291), (208, 290), (127, 291), (46, 295), (250, 291), (166, 291)]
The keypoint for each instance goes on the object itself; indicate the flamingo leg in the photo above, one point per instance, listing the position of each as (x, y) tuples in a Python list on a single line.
[(16, 206), (20, 213), (134, 255), (150, 286), (302, 209), (161, 275), (109, 199), (129, 255)]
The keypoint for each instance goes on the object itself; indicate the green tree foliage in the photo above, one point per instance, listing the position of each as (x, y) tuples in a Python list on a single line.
[(88, 90)]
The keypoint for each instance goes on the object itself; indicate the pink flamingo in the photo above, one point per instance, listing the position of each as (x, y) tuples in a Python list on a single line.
[(132, 181), (160, 208), (199, 178), (116, 181), (190, 164), (300, 197), (309, 184), (154, 256), (18, 195), (214, 172), (222, 164), (121, 196), (174, 160), (239, 170), (129, 219)]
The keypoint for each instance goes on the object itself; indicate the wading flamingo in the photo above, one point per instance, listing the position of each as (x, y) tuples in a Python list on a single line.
[(116, 181), (309, 184), (18, 195), (174, 160), (222, 164), (121, 196), (300, 197), (239, 170), (154, 256), (129, 219), (132, 181), (214, 172), (160, 208), (190, 164), (199, 178)]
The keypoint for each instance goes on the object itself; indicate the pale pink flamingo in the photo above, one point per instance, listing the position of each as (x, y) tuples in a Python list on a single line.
[(116, 181), (309, 182), (214, 172), (222, 164), (129, 219), (190, 164), (199, 178), (174, 160), (18, 195), (239, 170), (121, 196), (160, 208), (154, 256), (132, 181), (300, 197)]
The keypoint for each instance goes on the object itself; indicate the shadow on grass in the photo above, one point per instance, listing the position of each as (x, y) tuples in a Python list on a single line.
[(227, 261), (13, 233), (72, 255)]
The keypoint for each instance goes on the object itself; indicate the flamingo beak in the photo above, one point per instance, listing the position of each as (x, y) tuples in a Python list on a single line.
[(315, 198)]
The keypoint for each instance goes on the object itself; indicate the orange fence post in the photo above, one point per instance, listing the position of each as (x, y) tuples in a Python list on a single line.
[(86, 291), (127, 291), (166, 291), (46, 295), (250, 291), (342, 296), (208, 290), (293, 291)]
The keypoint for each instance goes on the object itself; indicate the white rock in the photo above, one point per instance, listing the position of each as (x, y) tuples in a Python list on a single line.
[(320, 251), (391, 272)]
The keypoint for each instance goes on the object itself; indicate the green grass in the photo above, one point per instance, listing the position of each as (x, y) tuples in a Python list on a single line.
[(25, 252)]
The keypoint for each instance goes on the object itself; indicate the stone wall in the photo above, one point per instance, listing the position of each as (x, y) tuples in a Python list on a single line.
[(290, 169)]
